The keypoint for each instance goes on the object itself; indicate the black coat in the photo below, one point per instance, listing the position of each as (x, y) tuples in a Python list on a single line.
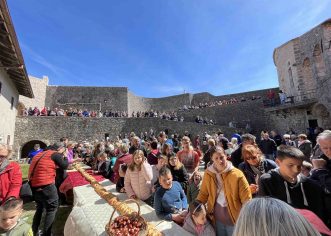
[(273, 185), (268, 146), (180, 176), (249, 173), (105, 169), (236, 157), (323, 178)]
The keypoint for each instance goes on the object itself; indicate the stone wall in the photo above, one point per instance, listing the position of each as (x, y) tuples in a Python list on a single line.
[(39, 90), (304, 71), (8, 103), (171, 103), (207, 97), (90, 98), (51, 129), (249, 112)]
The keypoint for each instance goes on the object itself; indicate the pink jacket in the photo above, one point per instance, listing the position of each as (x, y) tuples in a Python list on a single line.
[(139, 182)]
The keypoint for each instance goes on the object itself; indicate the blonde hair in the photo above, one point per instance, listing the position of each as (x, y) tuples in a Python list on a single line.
[(211, 142), (7, 148), (187, 139), (179, 163), (124, 148), (132, 165), (271, 217)]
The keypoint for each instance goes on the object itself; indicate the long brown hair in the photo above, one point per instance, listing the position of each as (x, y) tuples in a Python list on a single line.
[(132, 165)]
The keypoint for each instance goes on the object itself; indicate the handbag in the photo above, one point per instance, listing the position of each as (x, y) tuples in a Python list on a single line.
[(26, 192)]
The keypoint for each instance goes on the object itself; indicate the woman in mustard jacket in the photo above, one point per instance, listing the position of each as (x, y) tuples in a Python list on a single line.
[(225, 189)]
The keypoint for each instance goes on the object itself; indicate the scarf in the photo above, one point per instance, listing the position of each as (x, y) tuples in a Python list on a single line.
[(199, 229), (3, 166)]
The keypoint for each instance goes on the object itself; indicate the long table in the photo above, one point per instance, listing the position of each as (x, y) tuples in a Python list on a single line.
[(91, 213)]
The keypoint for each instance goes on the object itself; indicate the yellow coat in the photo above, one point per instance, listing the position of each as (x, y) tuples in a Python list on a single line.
[(236, 191)]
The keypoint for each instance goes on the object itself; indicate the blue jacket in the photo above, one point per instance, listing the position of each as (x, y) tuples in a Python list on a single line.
[(33, 153), (249, 173), (169, 201)]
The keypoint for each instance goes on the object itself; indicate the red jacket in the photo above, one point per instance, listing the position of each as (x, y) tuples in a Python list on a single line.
[(45, 171), (10, 182), (126, 158)]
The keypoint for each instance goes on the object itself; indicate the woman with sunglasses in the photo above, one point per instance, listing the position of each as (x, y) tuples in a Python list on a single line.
[(10, 176), (254, 165)]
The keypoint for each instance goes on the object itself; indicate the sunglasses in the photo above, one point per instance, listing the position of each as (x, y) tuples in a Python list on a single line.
[(251, 158), (2, 157)]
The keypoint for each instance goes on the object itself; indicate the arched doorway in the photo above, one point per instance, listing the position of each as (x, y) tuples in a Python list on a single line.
[(27, 147)]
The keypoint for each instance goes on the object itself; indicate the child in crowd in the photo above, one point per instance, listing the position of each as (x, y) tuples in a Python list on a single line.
[(196, 221), (286, 184), (137, 181), (10, 223), (104, 165), (178, 170), (120, 183), (306, 168), (194, 187), (169, 200), (162, 160)]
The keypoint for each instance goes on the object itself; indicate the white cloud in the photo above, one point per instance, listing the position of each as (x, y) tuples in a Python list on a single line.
[(34, 56)]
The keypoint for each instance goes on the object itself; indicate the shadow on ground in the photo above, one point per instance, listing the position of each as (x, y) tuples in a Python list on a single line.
[(60, 219)]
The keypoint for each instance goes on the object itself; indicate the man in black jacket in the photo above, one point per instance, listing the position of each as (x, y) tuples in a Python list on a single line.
[(268, 146)]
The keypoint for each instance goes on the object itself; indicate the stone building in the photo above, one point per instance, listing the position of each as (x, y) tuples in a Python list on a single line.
[(39, 90), (13, 76), (304, 74)]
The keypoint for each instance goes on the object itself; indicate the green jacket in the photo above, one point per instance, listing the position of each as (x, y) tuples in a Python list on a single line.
[(21, 229)]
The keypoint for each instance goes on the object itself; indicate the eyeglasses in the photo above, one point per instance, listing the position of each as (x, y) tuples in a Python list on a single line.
[(2, 157)]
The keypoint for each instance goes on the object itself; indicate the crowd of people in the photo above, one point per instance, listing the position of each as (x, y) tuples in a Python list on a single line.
[(46, 111), (204, 120), (210, 185), (219, 103), (157, 114)]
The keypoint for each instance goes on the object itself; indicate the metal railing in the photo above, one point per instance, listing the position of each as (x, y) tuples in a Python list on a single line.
[(307, 96)]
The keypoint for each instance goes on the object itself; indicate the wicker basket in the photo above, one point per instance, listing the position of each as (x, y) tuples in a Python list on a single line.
[(135, 216)]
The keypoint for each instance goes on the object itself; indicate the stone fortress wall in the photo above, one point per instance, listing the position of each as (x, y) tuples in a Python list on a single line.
[(50, 129), (90, 98), (304, 72), (171, 103), (39, 90)]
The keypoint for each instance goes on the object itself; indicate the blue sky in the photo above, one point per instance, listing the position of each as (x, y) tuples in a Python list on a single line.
[(161, 47)]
